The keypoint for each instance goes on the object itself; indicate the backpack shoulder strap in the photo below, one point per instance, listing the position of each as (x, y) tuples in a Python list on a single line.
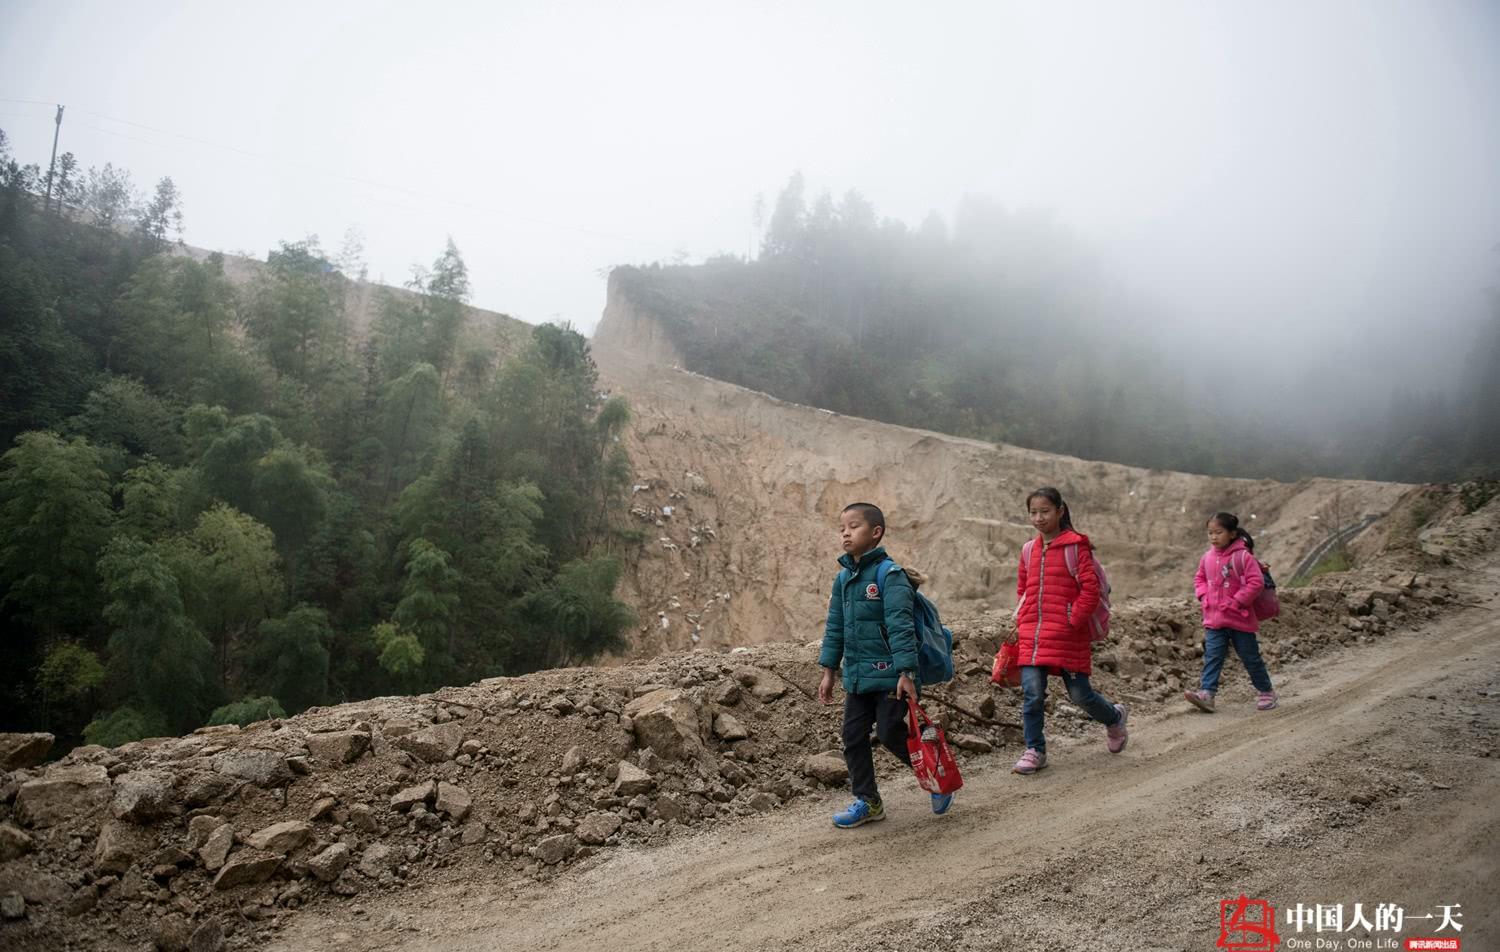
[(1070, 556), (1237, 559), (886, 568), (1026, 548)]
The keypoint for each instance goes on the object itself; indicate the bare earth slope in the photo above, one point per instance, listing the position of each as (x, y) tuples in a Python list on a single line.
[(739, 494), (1375, 782)]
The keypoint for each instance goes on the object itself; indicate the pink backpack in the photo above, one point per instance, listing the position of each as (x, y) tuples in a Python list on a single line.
[(1266, 604), (1099, 621)]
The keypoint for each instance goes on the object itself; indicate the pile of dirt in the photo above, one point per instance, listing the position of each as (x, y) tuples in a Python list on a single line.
[(215, 839)]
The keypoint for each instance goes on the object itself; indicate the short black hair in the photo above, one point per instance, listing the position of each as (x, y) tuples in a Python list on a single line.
[(871, 512)]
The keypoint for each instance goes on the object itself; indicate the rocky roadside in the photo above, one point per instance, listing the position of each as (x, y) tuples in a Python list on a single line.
[(211, 841)]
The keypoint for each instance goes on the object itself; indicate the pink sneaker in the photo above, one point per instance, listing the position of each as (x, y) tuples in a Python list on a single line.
[(1115, 734), (1202, 700), (1030, 762), (1265, 700)]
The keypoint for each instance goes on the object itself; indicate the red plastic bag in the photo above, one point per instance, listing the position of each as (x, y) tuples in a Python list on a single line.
[(1007, 669), (931, 760)]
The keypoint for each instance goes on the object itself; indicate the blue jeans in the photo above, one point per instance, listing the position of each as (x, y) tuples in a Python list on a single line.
[(1216, 646), (1034, 702)]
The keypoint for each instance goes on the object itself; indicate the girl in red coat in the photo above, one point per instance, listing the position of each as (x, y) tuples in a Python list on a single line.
[(1052, 627)]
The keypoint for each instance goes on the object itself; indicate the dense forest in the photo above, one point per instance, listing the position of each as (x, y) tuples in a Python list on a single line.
[(1001, 328), (224, 501)]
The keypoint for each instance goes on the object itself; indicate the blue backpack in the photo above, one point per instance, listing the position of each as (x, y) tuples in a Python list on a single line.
[(934, 642)]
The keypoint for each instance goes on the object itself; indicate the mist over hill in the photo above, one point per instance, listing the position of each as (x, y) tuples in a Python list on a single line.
[(1008, 326)]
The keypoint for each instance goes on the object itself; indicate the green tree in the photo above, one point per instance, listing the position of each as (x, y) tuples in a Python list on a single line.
[(290, 658), (231, 583), (295, 314), (576, 617), (55, 517), (109, 196), (429, 602), (291, 486), (162, 662), (247, 711), (410, 413), (127, 422), (151, 500), (161, 219)]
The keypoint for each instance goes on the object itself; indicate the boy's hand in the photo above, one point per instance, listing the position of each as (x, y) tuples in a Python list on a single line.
[(906, 688), (825, 686)]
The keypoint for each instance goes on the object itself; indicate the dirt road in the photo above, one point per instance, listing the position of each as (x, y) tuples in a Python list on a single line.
[(1377, 781)]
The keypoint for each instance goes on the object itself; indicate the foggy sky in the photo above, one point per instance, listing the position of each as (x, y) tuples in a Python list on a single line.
[(1274, 179)]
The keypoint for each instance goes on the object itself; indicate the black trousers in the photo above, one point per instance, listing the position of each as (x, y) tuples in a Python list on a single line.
[(887, 715)]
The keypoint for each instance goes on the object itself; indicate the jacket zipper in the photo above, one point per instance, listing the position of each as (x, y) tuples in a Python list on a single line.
[(1041, 585)]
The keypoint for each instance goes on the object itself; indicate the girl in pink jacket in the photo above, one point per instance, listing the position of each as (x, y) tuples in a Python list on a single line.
[(1227, 583)]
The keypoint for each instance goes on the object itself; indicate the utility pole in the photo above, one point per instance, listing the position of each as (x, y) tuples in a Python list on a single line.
[(47, 204)]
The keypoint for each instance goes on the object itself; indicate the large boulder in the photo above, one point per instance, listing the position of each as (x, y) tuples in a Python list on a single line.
[(338, 747), (200, 828), (328, 864), (264, 768), (378, 859), (13, 843), (115, 849), (143, 796), (19, 751), (63, 793), (632, 780), (434, 744), (828, 767), (281, 837), (215, 849), (421, 793), (729, 728), (668, 721), (453, 800), (246, 867), (596, 828), (555, 849)]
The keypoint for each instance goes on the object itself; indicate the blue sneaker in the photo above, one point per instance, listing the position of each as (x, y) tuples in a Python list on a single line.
[(941, 802), (859, 813)]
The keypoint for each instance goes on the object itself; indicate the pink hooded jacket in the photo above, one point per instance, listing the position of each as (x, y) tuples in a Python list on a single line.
[(1227, 583)]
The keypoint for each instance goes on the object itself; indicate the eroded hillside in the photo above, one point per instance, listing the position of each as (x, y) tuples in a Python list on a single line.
[(739, 493)]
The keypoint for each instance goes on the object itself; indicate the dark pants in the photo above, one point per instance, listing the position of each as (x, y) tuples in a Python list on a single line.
[(882, 710), (1216, 643), (1034, 703)]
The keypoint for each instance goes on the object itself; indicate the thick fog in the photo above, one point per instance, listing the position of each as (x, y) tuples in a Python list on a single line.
[(1303, 190)]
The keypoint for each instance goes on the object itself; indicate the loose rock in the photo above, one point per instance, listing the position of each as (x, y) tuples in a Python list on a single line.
[(281, 837), (63, 793), (247, 866), (632, 780), (20, 751)]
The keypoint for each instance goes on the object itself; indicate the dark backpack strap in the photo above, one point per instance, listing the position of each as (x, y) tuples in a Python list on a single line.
[(886, 567)]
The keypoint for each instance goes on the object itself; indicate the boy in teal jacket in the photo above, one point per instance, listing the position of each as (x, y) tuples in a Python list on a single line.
[(872, 634)]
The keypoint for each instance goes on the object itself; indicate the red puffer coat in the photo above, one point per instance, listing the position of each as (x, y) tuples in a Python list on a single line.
[(1053, 610)]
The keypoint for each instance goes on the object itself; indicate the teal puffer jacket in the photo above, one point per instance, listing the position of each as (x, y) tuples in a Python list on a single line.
[(873, 637)]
